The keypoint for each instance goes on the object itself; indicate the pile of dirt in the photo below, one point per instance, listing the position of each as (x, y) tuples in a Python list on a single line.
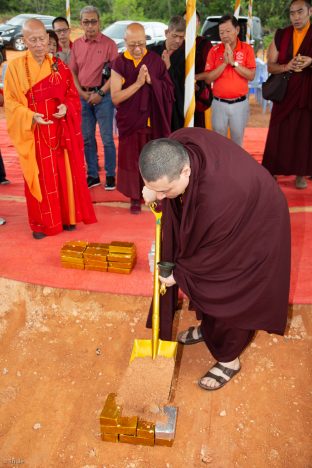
[(145, 387)]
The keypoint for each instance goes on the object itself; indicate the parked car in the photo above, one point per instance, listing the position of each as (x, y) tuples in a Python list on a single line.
[(155, 32), (2, 52), (11, 30), (210, 29)]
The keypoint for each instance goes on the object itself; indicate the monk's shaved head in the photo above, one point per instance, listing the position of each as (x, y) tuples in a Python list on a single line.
[(134, 29), (31, 24), (163, 158), (36, 38)]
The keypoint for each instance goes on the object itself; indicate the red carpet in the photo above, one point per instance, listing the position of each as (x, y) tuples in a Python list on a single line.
[(28, 260)]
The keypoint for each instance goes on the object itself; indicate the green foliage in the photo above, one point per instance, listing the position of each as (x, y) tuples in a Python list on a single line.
[(273, 13)]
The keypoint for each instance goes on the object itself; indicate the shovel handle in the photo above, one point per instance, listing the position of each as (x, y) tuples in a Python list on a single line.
[(155, 314)]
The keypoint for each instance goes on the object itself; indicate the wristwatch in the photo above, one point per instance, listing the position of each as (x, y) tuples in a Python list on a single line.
[(235, 65), (100, 92)]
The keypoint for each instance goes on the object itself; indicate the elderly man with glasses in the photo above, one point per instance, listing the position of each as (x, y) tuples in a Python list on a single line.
[(143, 94), (89, 57)]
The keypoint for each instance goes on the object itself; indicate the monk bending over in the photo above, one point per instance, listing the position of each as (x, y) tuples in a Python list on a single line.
[(226, 228)]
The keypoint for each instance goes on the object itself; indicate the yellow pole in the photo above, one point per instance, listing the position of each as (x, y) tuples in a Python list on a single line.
[(249, 23), (68, 11), (237, 8), (190, 47)]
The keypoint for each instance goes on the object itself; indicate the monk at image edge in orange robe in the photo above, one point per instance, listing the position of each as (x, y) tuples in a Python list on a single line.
[(51, 156)]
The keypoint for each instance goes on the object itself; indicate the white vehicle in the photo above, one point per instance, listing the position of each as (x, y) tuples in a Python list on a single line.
[(210, 29), (155, 32)]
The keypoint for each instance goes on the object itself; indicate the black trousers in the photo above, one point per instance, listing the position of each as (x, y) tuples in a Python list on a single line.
[(2, 169), (224, 343)]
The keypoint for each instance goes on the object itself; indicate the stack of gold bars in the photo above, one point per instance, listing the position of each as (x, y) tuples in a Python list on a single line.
[(121, 257), (133, 430), (116, 257), (72, 254), (95, 256)]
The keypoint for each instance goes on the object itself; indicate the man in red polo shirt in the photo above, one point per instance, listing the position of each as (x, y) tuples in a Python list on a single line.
[(89, 57), (230, 65)]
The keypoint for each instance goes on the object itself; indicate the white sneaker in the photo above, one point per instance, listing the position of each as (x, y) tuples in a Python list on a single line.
[(2, 221)]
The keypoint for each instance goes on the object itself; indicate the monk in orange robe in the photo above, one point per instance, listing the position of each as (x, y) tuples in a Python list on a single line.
[(43, 118)]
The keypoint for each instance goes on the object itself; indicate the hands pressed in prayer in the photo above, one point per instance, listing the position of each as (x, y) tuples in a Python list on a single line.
[(166, 58), (228, 54)]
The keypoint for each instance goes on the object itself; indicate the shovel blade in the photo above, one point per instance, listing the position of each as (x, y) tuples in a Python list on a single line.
[(144, 348)]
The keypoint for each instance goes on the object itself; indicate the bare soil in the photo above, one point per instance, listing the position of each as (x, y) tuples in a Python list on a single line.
[(62, 352)]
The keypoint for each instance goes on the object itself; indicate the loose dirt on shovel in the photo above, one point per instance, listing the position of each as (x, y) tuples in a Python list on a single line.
[(145, 387)]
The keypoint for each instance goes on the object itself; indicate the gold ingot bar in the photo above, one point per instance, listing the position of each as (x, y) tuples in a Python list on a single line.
[(75, 266), (98, 245), (120, 257), (77, 252), (120, 265), (111, 411), (119, 270), (76, 243), (95, 268), (146, 429), (95, 262), (125, 426), (66, 258), (164, 442), (109, 437), (122, 247), (135, 440), (74, 248)]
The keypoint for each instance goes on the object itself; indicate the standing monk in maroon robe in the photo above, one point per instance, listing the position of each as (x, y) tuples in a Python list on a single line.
[(44, 122), (142, 92), (226, 227), (288, 147)]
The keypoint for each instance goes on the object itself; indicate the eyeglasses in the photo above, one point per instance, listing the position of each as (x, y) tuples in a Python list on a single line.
[(61, 31), (132, 45), (92, 22)]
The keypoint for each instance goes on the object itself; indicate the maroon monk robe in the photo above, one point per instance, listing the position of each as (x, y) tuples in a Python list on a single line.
[(152, 102), (288, 147), (49, 215), (229, 236)]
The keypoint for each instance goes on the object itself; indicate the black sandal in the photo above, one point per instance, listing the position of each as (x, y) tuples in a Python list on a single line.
[(221, 380), (189, 339)]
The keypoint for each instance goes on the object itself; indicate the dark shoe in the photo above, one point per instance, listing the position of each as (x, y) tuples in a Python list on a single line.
[(93, 181), (300, 182), (193, 335), (4, 182), (226, 371), (110, 183), (69, 227), (39, 235), (135, 206)]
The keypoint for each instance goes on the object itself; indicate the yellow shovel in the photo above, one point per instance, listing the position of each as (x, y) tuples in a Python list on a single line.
[(155, 347)]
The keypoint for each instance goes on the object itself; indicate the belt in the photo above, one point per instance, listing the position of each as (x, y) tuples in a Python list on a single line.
[(231, 101), (88, 88)]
